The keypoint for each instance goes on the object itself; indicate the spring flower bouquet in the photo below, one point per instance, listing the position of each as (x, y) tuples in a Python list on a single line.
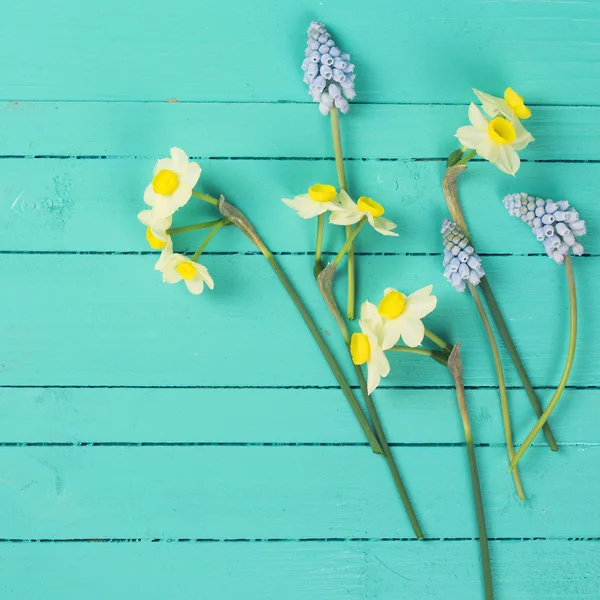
[(395, 323)]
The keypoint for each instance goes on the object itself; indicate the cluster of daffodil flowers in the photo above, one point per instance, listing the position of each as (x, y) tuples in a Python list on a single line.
[(497, 137)]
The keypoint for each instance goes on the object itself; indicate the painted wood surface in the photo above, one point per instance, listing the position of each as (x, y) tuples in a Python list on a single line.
[(153, 444)]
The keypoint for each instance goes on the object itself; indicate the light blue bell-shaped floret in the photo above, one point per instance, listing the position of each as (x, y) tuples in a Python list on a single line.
[(555, 224), (461, 262), (327, 70)]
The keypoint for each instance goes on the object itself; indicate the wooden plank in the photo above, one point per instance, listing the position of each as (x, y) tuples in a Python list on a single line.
[(146, 129), (109, 320), (91, 205), (534, 570), (273, 416), (288, 492), (411, 52)]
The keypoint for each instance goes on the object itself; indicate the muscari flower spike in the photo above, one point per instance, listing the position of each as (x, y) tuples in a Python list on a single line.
[(328, 71), (461, 262), (555, 224)]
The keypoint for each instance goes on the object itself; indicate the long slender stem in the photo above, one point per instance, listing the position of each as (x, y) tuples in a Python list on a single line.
[(438, 341), (205, 197), (435, 354), (512, 351), (325, 282), (349, 240), (567, 370), (467, 157), (455, 368), (339, 165), (194, 227), (242, 223), (449, 188), (209, 237), (318, 267), (501, 385)]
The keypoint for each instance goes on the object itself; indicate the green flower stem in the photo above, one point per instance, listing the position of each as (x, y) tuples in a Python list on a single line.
[(449, 187), (512, 351), (501, 385), (318, 262), (242, 223), (339, 165), (455, 368), (567, 370), (211, 234), (438, 356), (467, 157), (206, 198), (325, 282), (438, 341), (186, 228), (349, 240)]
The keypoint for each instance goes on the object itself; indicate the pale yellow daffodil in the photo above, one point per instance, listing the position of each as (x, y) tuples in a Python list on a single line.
[(319, 199), (348, 212), (195, 275)]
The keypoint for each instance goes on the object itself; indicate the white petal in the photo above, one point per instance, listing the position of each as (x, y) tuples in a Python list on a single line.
[(413, 331), (305, 207), (491, 104), (195, 285), (145, 217), (343, 217), (369, 314), (384, 226), (488, 149), (346, 202), (392, 329), (205, 275), (164, 164), (508, 160), (180, 160), (477, 119), (164, 207), (523, 136), (165, 256), (420, 303), (190, 175), (150, 196), (170, 274), (373, 377), (470, 136)]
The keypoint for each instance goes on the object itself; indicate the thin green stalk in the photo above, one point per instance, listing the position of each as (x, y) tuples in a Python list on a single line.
[(339, 165), (318, 267), (438, 356), (512, 351), (186, 228), (349, 240), (438, 341), (205, 197), (449, 188), (467, 157), (501, 385), (242, 223), (209, 237), (455, 368), (325, 282), (567, 370)]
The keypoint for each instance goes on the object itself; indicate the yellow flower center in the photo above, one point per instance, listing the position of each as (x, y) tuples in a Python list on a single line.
[(322, 193), (392, 305), (165, 182), (515, 101), (360, 348), (366, 204), (501, 131), (154, 241), (186, 270)]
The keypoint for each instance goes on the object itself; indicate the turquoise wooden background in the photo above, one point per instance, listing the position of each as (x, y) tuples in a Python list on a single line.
[(159, 445)]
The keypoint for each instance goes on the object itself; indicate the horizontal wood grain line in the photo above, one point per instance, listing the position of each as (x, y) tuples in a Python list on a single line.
[(277, 132), (287, 492)]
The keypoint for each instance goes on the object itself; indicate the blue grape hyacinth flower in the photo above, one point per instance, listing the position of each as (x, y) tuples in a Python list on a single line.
[(461, 263), (555, 224), (327, 71)]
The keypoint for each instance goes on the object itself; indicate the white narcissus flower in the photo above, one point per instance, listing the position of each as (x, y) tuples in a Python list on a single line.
[(319, 199), (349, 212), (156, 232), (496, 140), (195, 275), (367, 347), (172, 184), (511, 104), (403, 316)]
